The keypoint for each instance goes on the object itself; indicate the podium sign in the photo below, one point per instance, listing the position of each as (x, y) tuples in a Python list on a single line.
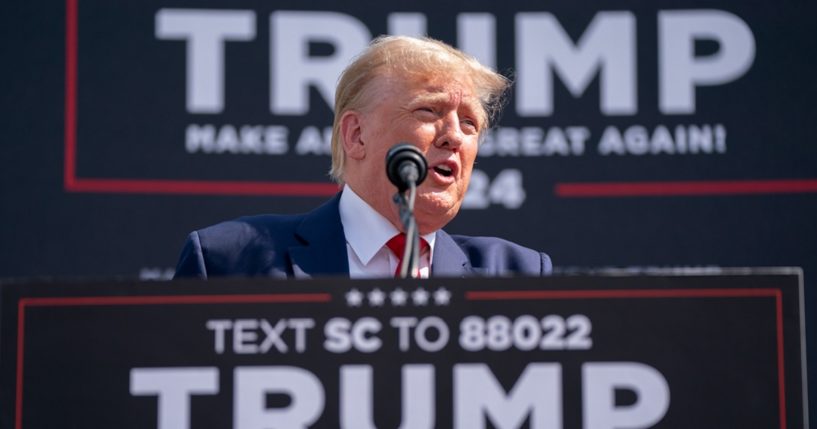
[(667, 351)]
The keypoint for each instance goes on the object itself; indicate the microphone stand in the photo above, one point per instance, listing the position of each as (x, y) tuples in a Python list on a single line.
[(410, 268)]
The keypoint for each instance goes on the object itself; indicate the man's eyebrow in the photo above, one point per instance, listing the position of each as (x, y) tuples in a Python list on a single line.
[(442, 96), (432, 97)]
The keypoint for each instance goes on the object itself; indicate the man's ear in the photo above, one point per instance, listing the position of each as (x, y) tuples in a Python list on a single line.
[(350, 132)]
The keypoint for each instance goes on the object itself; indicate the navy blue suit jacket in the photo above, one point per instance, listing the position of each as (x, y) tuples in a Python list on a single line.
[(313, 244)]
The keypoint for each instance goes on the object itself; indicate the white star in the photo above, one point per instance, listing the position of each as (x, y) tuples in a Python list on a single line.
[(398, 297), (354, 298), (442, 296), (376, 297), (419, 296)]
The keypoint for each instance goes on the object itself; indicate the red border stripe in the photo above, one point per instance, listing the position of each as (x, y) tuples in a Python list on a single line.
[(684, 188), (18, 402), (177, 299), (195, 187), (781, 370), (70, 92), (494, 295)]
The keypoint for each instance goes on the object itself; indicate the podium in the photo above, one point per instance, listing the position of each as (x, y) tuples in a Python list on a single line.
[(668, 351)]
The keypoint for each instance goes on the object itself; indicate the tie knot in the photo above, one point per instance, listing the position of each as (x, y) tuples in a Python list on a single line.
[(397, 245)]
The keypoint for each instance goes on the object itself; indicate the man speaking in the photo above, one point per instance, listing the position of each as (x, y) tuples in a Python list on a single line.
[(400, 89)]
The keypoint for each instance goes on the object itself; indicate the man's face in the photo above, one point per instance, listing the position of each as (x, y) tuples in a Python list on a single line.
[(442, 117)]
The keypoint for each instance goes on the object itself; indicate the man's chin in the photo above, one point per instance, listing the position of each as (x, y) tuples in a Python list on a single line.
[(434, 213), (435, 202)]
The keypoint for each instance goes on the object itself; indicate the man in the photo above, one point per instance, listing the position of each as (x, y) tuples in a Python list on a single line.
[(400, 89)]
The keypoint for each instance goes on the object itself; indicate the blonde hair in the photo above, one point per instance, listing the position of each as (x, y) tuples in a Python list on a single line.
[(409, 56)]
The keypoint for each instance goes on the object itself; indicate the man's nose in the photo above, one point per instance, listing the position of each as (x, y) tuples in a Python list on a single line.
[(450, 134)]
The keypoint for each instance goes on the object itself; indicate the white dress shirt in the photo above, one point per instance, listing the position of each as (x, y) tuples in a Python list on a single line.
[(367, 232)]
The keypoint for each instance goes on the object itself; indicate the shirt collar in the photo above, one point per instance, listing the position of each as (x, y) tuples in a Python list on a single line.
[(366, 230)]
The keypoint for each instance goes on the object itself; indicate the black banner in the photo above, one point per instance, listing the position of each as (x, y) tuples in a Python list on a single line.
[(592, 352)]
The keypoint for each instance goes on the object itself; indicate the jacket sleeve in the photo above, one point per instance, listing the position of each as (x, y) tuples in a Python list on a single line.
[(191, 261)]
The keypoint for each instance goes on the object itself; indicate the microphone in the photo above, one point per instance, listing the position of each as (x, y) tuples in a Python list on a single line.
[(405, 164), (407, 168)]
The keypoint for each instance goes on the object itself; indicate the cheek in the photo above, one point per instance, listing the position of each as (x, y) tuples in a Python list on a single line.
[(463, 189), (466, 178), (422, 135), (468, 156)]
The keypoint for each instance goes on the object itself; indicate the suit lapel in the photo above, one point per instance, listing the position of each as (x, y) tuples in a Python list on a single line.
[(323, 252), (449, 259)]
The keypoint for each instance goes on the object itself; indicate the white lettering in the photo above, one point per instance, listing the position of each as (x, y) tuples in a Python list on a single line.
[(403, 325), (336, 331), (253, 384), (246, 339), (248, 139), (356, 397), (343, 335), (476, 35), (205, 32), (275, 140), (301, 326), (244, 336), (363, 335), (423, 340), (607, 48), (681, 71), (312, 141), (273, 336), (534, 141), (537, 393), (294, 71), (686, 139), (599, 384), (219, 326), (173, 386)]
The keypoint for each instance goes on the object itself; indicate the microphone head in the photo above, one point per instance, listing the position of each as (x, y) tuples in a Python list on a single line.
[(402, 161)]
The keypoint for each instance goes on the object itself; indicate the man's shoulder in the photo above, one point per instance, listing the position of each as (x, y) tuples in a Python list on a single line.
[(483, 242), (243, 246), (253, 245), (248, 237), (278, 226), (498, 255), (250, 228)]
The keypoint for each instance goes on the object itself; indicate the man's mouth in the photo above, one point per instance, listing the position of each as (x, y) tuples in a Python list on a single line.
[(444, 170)]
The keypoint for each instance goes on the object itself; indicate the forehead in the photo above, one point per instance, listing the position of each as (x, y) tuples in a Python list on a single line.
[(406, 88)]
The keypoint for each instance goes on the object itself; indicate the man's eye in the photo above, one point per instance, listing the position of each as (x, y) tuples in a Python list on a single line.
[(469, 123), (426, 113)]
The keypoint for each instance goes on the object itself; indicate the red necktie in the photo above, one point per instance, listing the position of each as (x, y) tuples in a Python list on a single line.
[(398, 243)]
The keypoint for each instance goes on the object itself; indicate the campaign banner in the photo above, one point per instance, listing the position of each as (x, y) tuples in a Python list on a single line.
[(238, 98), (668, 351)]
